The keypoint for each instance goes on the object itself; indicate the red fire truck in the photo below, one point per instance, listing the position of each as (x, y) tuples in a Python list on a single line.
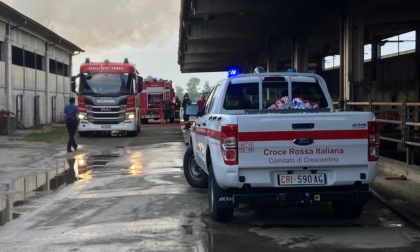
[(108, 98), (152, 97)]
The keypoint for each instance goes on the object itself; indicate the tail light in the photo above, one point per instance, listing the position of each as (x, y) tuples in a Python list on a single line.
[(229, 144), (131, 102), (373, 141), (81, 104)]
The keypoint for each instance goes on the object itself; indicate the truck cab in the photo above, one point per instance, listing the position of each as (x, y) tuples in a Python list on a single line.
[(107, 97)]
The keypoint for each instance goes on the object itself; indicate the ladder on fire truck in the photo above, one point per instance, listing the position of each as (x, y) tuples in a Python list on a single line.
[(167, 91)]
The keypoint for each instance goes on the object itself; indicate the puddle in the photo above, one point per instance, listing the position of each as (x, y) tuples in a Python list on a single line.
[(83, 166)]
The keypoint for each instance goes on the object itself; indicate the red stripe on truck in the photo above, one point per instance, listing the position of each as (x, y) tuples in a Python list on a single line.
[(291, 135)]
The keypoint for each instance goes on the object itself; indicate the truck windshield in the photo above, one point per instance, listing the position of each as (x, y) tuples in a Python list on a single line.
[(113, 84)]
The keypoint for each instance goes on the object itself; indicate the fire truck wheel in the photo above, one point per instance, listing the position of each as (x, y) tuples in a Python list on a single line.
[(144, 121), (135, 132), (216, 193), (194, 175), (347, 209)]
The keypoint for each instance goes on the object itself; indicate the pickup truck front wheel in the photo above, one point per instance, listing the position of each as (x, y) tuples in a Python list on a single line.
[(193, 173), (347, 209), (217, 194)]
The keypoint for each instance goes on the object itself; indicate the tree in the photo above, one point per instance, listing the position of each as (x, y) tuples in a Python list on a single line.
[(179, 91), (207, 88), (149, 78), (192, 88)]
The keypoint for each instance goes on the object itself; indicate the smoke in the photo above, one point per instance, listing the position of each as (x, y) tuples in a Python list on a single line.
[(144, 31), (105, 24)]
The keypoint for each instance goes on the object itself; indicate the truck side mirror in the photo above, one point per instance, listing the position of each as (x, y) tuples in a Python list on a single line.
[(73, 83)]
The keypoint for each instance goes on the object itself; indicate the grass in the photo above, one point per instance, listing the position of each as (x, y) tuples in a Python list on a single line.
[(48, 135)]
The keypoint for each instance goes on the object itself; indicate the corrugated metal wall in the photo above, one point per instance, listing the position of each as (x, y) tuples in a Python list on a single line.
[(31, 84)]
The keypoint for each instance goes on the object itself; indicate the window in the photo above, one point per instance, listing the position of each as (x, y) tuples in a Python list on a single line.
[(53, 66), (39, 62), (305, 93), (211, 98), (26, 58), (1, 51), (106, 83), (274, 91), (392, 46), (58, 68), (17, 56), (29, 59), (241, 96)]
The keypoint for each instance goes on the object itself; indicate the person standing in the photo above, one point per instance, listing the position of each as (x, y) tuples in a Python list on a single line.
[(177, 108), (185, 103), (71, 113), (167, 110), (201, 104)]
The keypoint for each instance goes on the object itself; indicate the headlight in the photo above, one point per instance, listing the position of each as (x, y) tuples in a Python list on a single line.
[(130, 116), (82, 116)]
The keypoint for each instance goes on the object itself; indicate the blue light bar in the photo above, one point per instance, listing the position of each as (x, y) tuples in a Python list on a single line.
[(233, 72), (291, 70)]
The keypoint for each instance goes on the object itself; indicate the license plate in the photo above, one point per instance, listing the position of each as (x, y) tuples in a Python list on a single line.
[(302, 179), (105, 126)]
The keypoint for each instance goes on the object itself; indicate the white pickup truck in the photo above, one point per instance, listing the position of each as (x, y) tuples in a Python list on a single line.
[(275, 139)]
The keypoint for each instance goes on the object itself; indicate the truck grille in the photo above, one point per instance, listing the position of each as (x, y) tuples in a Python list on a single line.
[(105, 114)]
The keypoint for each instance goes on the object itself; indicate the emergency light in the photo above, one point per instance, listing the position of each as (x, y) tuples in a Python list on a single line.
[(259, 69), (233, 72)]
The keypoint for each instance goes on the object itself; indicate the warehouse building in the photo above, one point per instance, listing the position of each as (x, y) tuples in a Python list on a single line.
[(35, 70)]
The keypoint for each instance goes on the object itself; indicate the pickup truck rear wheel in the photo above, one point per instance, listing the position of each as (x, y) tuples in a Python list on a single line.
[(193, 173), (347, 209), (215, 193)]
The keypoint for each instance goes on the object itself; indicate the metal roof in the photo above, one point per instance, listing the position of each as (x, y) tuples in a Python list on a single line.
[(216, 34)]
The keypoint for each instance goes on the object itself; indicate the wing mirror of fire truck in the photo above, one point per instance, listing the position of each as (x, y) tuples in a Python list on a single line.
[(73, 83), (192, 110)]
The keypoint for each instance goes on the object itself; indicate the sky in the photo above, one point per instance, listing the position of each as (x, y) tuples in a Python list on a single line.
[(144, 31)]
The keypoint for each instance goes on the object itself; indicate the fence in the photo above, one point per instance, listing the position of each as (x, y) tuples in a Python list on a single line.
[(399, 124)]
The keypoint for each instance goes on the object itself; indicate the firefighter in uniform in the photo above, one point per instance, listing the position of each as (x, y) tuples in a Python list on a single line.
[(177, 108), (167, 110), (185, 103)]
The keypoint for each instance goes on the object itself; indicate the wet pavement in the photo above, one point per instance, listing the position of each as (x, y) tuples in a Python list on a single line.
[(29, 166)]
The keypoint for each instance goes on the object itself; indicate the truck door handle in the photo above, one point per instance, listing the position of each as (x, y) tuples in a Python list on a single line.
[(303, 125)]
